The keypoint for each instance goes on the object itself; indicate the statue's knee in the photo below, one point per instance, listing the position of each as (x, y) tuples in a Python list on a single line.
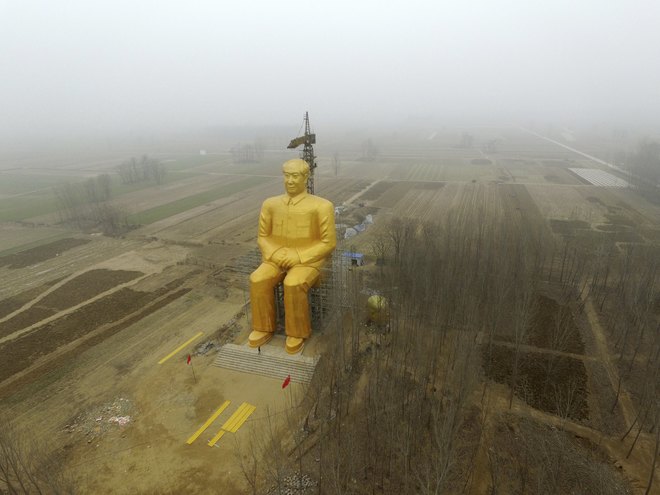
[(258, 277), (293, 282)]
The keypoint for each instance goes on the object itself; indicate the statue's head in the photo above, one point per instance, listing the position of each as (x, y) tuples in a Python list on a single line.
[(296, 173)]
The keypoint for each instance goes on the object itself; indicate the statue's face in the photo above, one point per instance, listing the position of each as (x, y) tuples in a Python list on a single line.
[(295, 180)]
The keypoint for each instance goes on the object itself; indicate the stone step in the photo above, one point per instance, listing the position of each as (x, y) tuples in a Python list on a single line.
[(272, 361), (266, 369), (234, 350)]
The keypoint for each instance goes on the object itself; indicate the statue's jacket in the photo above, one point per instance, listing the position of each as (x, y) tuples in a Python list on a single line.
[(304, 222)]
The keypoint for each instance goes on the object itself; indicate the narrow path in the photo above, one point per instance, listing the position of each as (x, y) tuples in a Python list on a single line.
[(625, 402), (128, 260), (590, 157), (635, 466), (60, 314), (360, 193), (543, 350), (73, 345)]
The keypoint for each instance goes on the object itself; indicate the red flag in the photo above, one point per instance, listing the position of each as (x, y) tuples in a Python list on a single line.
[(286, 382), (188, 362)]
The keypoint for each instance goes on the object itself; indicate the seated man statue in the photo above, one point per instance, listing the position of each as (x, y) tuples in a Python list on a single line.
[(296, 237)]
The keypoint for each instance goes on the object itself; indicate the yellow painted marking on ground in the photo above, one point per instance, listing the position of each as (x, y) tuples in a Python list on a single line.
[(199, 334), (232, 419), (234, 422), (239, 421), (208, 422), (216, 438)]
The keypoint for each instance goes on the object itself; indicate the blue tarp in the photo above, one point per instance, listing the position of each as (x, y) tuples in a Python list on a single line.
[(354, 256)]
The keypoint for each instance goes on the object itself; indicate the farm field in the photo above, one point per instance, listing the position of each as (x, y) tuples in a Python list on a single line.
[(86, 318)]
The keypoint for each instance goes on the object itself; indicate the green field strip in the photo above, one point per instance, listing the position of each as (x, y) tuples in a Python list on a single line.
[(118, 189), (189, 202), (44, 201), (193, 161), (24, 183), (28, 206)]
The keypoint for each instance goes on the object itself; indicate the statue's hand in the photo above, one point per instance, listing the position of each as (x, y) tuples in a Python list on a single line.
[(285, 258), (292, 259), (279, 257)]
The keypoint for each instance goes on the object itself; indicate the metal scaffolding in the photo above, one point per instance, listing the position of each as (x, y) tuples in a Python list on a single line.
[(307, 154), (326, 298)]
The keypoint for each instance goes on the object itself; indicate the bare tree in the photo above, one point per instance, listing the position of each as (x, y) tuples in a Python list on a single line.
[(369, 151), (25, 468), (336, 163)]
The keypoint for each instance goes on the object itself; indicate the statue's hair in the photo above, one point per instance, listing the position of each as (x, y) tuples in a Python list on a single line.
[(302, 165)]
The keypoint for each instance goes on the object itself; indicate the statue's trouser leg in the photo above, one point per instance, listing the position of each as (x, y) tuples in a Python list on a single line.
[(262, 282), (296, 307)]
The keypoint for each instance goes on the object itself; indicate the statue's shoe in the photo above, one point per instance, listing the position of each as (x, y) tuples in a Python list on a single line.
[(257, 338), (294, 345)]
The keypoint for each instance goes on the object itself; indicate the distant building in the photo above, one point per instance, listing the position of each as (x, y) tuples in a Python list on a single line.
[(357, 259)]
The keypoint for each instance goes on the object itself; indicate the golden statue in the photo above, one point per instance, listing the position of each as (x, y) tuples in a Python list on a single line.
[(296, 237)]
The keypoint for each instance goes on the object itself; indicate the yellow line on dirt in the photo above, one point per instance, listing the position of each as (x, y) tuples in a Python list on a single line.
[(234, 417), (239, 421), (180, 347), (208, 423), (216, 438), (234, 422)]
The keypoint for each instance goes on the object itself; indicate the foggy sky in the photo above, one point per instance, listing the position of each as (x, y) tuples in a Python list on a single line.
[(106, 65)]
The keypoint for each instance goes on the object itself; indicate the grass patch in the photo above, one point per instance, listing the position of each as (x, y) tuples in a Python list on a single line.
[(180, 205), (567, 227), (21, 208), (23, 183), (118, 189), (26, 207), (192, 161)]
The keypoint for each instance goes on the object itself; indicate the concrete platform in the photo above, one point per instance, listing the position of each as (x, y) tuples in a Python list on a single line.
[(273, 361)]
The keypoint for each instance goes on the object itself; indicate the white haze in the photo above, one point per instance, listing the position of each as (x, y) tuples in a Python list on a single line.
[(69, 66)]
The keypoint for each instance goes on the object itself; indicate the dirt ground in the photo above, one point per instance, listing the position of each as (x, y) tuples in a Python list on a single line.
[(117, 418), (86, 319)]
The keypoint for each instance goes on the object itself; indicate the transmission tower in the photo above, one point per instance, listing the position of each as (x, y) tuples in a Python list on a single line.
[(307, 153)]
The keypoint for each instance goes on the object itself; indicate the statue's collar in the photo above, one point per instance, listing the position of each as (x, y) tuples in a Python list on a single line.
[(294, 200)]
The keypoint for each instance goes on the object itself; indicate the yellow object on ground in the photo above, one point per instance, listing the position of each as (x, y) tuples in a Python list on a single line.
[(199, 334), (208, 422), (378, 309), (234, 422)]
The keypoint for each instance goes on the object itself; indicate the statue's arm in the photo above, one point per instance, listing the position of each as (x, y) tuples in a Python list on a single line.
[(328, 238), (264, 236)]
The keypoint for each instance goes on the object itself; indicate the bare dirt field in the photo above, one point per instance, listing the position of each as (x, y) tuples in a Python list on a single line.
[(85, 319)]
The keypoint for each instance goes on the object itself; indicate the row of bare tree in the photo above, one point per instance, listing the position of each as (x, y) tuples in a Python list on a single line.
[(398, 409), (625, 283), (140, 170), (87, 205), (247, 153), (644, 165)]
